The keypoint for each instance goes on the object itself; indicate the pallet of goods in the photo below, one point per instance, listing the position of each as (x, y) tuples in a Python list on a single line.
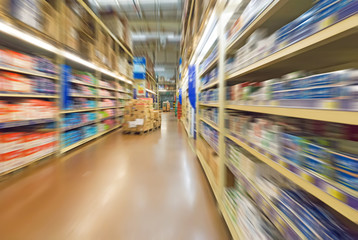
[(140, 117)]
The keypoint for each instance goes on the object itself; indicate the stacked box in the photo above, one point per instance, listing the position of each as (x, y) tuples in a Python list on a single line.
[(139, 115)]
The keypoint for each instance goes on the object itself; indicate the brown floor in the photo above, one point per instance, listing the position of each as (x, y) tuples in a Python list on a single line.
[(124, 187)]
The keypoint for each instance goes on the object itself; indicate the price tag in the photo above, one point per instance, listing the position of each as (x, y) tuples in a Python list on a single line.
[(274, 103), (335, 193), (330, 104), (283, 163), (327, 22), (307, 177)]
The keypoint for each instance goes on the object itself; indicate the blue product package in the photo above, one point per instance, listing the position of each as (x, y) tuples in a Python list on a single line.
[(348, 179), (323, 92), (317, 165), (349, 9), (291, 155), (345, 161), (316, 151)]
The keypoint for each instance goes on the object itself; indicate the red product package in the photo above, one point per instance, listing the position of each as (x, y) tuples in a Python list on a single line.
[(11, 141)]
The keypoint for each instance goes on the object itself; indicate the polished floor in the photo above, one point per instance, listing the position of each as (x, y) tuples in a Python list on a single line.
[(122, 187)]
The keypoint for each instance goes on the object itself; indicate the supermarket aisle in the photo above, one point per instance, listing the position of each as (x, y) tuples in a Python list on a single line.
[(122, 187)]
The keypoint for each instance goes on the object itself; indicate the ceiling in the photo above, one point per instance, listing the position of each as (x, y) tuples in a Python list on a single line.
[(155, 27)]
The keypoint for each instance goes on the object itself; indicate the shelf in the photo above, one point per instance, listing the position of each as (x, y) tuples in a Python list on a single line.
[(79, 143), (28, 72), (82, 83), (102, 119), (311, 53), (209, 104), (209, 175), (110, 89), (210, 123), (79, 110), (210, 85), (345, 117), (261, 18), (341, 199), (13, 124), (68, 128), (109, 97), (234, 230), (212, 64), (26, 95), (26, 164), (109, 130), (83, 96), (280, 220), (104, 108)]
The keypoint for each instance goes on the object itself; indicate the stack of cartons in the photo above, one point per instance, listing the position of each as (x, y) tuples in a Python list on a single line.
[(157, 119), (139, 115)]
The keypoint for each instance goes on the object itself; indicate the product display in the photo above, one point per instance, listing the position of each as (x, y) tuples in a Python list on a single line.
[(287, 96), (209, 96), (323, 14), (209, 78), (210, 114), (28, 109), (333, 85), (19, 148), (55, 83)]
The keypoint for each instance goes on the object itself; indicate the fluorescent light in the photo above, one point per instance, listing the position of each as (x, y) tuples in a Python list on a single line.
[(12, 31)]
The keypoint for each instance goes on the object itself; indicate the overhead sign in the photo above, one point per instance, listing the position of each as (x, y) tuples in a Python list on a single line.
[(139, 68)]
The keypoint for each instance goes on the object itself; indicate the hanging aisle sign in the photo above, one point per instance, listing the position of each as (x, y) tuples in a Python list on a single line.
[(180, 96), (180, 61), (139, 68), (191, 86)]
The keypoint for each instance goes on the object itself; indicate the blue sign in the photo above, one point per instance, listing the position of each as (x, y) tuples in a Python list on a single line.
[(180, 96), (191, 86), (66, 86), (139, 65), (180, 61)]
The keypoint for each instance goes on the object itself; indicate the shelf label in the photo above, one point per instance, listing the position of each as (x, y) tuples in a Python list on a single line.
[(335, 193), (283, 163), (274, 103), (327, 22), (307, 177), (330, 104)]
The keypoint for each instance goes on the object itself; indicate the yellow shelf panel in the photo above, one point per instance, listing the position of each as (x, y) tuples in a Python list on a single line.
[(79, 110), (209, 175), (209, 104), (77, 144), (210, 85), (345, 117), (307, 53), (331, 201), (210, 123), (24, 95), (28, 72), (233, 228)]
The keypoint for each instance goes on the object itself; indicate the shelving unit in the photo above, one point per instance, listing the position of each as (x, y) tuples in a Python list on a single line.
[(25, 39), (335, 35)]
